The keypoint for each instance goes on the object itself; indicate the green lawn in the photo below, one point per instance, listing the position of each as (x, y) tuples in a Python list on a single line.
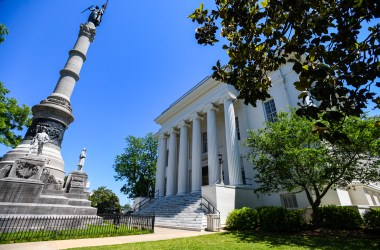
[(240, 241)]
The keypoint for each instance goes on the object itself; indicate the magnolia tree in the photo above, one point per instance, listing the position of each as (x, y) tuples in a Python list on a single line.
[(333, 45), (287, 156)]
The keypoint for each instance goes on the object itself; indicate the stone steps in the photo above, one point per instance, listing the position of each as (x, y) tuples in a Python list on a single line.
[(180, 211)]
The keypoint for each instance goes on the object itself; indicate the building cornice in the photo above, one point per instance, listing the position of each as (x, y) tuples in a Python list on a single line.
[(191, 96)]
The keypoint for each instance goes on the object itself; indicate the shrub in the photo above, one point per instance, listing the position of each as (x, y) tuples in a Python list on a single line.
[(279, 219), (336, 217), (372, 218), (242, 219)]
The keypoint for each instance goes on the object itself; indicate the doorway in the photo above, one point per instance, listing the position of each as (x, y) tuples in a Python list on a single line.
[(205, 176)]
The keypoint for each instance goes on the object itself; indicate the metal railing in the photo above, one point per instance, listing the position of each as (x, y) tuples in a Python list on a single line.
[(145, 201), (29, 228), (209, 206)]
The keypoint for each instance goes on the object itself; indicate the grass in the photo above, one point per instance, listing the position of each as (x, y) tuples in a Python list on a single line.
[(256, 241), (91, 231)]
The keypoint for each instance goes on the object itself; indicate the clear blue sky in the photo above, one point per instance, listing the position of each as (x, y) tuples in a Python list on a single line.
[(144, 57)]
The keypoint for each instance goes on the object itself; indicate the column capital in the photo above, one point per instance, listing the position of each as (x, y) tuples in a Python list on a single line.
[(183, 124), (87, 30), (228, 96), (162, 136), (196, 116), (173, 130), (211, 107)]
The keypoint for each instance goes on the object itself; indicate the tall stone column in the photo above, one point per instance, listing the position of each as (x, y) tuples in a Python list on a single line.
[(70, 73), (232, 144), (212, 145), (196, 150), (172, 166), (54, 114), (161, 165), (183, 156)]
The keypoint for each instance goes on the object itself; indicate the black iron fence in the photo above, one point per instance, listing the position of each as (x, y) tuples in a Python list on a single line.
[(32, 228)]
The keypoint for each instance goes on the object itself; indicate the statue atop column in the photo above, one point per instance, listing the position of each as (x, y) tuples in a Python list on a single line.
[(96, 14)]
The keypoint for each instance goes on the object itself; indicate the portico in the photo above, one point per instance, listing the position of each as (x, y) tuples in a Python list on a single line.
[(193, 140)]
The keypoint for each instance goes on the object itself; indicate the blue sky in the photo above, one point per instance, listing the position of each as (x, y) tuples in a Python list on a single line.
[(144, 57)]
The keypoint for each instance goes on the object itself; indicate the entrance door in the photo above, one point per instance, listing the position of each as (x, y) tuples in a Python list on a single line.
[(205, 176)]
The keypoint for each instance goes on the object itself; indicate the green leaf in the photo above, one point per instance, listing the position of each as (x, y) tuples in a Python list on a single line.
[(304, 94), (264, 3), (358, 3), (302, 84)]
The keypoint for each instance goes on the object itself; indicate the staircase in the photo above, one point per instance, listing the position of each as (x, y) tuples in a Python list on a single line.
[(179, 211)]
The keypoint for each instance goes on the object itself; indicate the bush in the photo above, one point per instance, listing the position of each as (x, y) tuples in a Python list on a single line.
[(336, 217), (279, 219), (372, 218), (242, 219)]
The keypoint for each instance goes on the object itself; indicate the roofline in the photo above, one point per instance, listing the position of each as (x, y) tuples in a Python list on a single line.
[(184, 95)]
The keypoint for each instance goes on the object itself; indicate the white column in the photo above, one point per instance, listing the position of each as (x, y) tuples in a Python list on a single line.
[(70, 74), (212, 145), (172, 166), (196, 150), (232, 144), (161, 165), (183, 156)]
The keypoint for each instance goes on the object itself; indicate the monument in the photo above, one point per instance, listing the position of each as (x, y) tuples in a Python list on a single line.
[(32, 174)]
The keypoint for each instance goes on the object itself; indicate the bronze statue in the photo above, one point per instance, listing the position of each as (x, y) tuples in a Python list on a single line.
[(38, 141), (96, 13)]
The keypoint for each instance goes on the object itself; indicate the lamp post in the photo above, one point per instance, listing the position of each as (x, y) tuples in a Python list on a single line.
[(221, 168)]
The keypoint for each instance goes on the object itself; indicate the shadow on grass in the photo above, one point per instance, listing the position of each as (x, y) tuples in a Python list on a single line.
[(322, 241)]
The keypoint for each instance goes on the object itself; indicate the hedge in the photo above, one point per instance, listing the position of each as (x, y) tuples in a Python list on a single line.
[(242, 219), (336, 217), (372, 218)]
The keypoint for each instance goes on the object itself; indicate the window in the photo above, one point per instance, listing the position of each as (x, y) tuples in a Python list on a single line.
[(289, 201), (243, 176), (204, 142), (270, 110), (237, 127), (166, 183), (167, 158), (243, 170)]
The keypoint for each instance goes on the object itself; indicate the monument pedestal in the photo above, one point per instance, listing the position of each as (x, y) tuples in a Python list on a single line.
[(23, 184), (75, 189), (29, 189)]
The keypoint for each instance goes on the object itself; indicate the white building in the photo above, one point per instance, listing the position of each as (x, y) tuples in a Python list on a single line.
[(208, 120)]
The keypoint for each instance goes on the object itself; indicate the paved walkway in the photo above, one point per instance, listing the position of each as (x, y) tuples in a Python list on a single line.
[(159, 234)]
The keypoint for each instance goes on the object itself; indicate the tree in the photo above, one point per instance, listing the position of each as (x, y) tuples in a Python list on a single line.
[(126, 208), (336, 57), (286, 156), (12, 116), (3, 33), (105, 200), (137, 165)]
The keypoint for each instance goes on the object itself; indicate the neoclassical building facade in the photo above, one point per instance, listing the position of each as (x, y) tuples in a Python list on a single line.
[(208, 122)]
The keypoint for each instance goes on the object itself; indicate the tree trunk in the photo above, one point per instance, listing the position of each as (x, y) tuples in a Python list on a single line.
[(315, 215)]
